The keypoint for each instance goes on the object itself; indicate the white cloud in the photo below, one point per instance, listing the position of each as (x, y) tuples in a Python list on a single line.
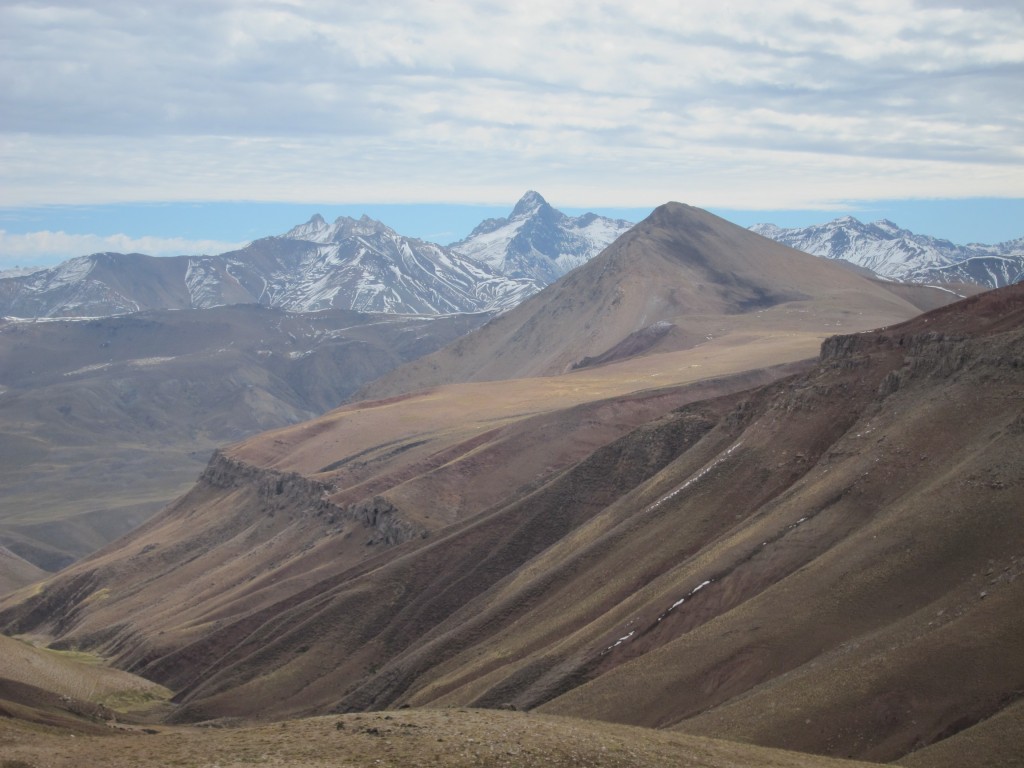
[(413, 100), (31, 248)]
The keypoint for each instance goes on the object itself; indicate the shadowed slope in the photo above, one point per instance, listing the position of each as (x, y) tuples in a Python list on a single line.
[(892, 549), (994, 743), (16, 572)]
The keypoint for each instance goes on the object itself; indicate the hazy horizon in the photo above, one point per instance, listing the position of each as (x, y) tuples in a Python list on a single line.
[(45, 236)]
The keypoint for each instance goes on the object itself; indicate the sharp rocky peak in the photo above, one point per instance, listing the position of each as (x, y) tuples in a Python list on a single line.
[(308, 231), (528, 205), (890, 227)]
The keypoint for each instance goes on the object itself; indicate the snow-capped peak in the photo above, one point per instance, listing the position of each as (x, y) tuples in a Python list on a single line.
[(364, 226), (315, 230), (539, 242), (888, 226), (528, 204)]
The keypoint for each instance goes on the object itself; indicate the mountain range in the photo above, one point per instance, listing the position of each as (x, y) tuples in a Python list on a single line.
[(363, 265), (356, 264), (775, 535), (352, 264), (894, 253)]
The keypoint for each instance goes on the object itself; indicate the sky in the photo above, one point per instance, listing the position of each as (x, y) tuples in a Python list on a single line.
[(192, 126)]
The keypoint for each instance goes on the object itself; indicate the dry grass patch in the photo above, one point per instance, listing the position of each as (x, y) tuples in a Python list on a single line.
[(81, 676)]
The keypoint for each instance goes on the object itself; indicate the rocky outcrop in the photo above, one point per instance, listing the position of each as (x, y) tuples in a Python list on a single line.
[(385, 520), (296, 494)]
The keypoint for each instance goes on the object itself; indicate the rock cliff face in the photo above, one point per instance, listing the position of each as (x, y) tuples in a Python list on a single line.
[(293, 494), (274, 518)]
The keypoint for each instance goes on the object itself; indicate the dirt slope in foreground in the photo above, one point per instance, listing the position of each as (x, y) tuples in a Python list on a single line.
[(410, 738)]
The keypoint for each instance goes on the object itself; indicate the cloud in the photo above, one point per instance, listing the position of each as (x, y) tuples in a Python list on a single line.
[(43, 247), (463, 100)]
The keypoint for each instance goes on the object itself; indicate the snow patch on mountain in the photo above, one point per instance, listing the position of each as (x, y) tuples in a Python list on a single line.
[(203, 283)]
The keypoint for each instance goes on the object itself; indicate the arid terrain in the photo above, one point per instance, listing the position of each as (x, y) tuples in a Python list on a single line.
[(415, 738), (737, 521), (68, 709), (104, 421)]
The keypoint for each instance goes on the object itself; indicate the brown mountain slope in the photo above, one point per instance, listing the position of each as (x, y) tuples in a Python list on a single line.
[(892, 549), (678, 278), (831, 563), (68, 690), (245, 539), (73, 675), (997, 740)]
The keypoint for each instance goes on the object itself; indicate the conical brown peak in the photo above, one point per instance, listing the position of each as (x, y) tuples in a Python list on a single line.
[(673, 214)]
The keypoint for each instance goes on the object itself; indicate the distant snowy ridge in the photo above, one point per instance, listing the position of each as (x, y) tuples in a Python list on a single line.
[(898, 254), (364, 265), (358, 264), (538, 242)]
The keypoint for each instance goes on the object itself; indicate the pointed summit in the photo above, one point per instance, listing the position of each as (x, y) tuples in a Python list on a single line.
[(539, 242), (528, 204), (313, 229)]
